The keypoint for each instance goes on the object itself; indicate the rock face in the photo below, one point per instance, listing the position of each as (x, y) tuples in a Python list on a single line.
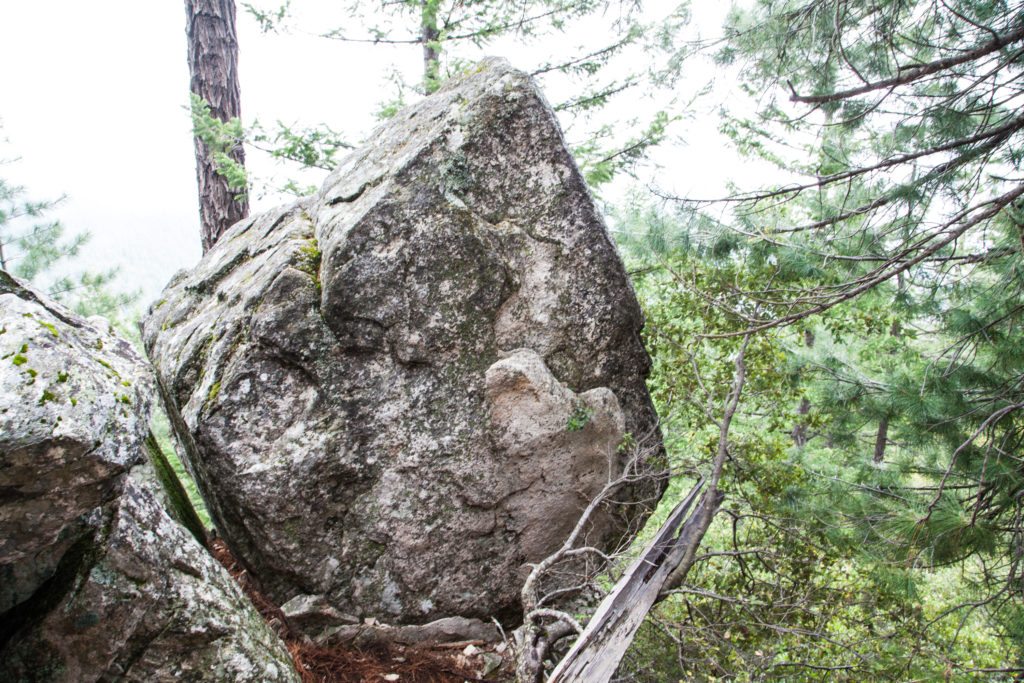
[(97, 581), (396, 393), (73, 411)]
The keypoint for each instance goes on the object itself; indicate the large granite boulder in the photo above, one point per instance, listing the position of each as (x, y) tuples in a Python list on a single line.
[(397, 393), (96, 580)]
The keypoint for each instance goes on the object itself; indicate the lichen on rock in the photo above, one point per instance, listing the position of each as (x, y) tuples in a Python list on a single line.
[(346, 375), (73, 409), (98, 581)]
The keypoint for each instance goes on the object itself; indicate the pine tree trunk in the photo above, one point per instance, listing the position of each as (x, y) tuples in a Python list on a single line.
[(881, 439), (213, 64), (799, 432), (429, 35)]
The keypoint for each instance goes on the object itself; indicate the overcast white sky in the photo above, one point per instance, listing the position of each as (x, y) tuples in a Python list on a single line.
[(93, 104)]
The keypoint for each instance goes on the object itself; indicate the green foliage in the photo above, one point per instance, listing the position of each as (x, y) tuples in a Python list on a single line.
[(599, 164), (899, 247), (221, 138), (179, 503), (269, 20), (628, 443), (28, 244), (309, 258), (211, 396), (579, 418), (449, 35), (36, 248), (822, 560), (310, 147)]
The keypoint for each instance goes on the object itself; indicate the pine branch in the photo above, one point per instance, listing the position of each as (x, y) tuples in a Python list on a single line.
[(913, 73), (895, 265)]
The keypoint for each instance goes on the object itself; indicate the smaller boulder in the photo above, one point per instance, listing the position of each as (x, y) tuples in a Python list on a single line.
[(143, 601), (98, 581), (74, 408), (560, 447)]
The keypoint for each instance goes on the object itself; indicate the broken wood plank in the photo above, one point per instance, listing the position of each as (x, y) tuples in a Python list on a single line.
[(597, 652)]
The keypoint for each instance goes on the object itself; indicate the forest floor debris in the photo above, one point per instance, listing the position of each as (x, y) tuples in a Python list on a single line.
[(444, 663)]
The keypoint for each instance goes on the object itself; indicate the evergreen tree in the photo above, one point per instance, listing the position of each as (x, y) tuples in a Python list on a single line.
[(896, 241), (216, 107), (443, 31), (37, 248), (804, 574), (439, 27)]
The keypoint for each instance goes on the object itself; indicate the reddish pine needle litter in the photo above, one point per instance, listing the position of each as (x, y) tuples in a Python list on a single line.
[(343, 664)]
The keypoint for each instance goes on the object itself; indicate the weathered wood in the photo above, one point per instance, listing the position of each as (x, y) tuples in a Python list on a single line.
[(213, 64), (596, 654)]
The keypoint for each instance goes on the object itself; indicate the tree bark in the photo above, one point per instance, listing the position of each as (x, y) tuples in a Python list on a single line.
[(429, 35), (213, 64), (881, 439), (799, 432)]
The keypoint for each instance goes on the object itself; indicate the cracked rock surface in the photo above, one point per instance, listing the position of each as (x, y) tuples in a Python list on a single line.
[(97, 582), (398, 392)]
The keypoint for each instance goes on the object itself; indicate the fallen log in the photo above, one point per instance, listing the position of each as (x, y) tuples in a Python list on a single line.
[(597, 652)]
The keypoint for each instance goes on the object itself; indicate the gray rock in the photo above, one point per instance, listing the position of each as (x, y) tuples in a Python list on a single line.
[(99, 582), (345, 375), (491, 663), (143, 601), (74, 408)]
